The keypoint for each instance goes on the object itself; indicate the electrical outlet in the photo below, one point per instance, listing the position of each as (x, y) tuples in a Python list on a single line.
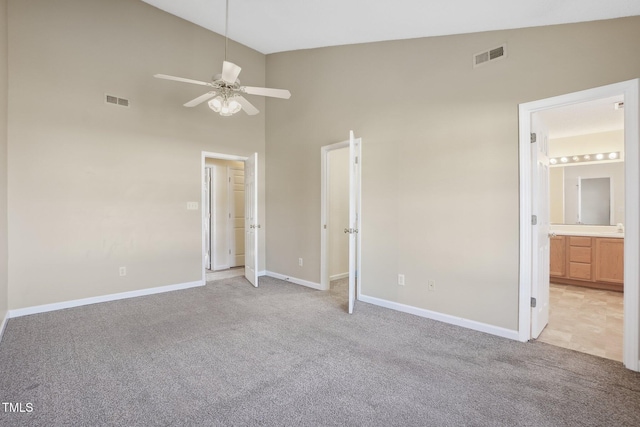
[(123, 271), (300, 262), (401, 279), (431, 285)]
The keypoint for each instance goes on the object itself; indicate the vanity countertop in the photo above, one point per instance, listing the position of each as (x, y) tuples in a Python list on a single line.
[(614, 235)]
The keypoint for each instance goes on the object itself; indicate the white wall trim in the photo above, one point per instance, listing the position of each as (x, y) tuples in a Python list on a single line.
[(3, 325), (631, 91), (440, 317), (338, 276), (295, 280), (104, 298)]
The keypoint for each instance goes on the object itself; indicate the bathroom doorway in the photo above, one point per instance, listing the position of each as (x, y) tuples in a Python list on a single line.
[(534, 217)]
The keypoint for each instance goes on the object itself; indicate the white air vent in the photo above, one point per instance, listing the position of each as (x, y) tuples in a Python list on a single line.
[(110, 99), (490, 55)]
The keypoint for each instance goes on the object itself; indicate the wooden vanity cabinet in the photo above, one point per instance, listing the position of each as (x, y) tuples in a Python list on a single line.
[(558, 265), (595, 262)]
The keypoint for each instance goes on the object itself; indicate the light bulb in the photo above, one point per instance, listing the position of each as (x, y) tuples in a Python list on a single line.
[(216, 104), (564, 159), (553, 161), (575, 158), (587, 157), (599, 156), (613, 156), (234, 106)]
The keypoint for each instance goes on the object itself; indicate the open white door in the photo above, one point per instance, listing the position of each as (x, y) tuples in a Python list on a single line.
[(206, 210), (251, 225), (540, 224), (354, 216)]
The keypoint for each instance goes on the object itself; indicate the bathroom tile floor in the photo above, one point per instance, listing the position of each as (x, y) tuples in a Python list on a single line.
[(586, 320)]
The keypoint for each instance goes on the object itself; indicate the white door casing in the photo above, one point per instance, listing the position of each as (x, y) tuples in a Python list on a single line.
[(528, 257), (540, 233), (251, 225), (354, 217)]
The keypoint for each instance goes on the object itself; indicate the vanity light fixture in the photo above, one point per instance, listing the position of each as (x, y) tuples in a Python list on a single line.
[(584, 158)]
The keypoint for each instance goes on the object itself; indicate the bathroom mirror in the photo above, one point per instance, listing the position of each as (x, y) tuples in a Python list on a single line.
[(594, 201), (587, 194)]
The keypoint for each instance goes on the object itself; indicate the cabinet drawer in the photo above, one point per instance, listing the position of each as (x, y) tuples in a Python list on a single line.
[(579, 241), (579, 271), (580, 254)]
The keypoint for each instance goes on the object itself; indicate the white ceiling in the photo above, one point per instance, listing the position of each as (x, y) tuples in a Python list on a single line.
[(270, 26), (584, 118)]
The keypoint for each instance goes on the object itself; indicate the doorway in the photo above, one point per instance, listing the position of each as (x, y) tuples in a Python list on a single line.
[(224, 210), (340, 258), (586, 217), (533, 220), (230, 225)]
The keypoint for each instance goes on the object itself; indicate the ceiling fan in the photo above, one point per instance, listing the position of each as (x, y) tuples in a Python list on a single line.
[(225, 96)]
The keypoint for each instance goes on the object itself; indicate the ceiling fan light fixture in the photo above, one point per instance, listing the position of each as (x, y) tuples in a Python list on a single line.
[(225, 107)]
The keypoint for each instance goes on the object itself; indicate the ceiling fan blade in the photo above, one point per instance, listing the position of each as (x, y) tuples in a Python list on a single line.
[(230, 72), (246, 105), (199, 100), (180, 79), (265, 91)]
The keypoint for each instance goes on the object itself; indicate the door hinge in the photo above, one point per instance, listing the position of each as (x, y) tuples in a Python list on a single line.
[(356, 160), (229, 179), (533, 137), (533, 302), (229, 251), (534, 220)]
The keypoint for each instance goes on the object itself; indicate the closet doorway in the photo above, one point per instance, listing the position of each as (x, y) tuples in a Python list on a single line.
[(224, 211)]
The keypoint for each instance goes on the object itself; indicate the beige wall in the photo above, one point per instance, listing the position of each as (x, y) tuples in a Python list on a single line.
[(439, 154), (92, 186), (338, 212), (3, 161), (556, 195)]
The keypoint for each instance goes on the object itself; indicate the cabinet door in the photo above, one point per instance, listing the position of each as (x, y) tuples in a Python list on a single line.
[(610, 260), (558, 257)]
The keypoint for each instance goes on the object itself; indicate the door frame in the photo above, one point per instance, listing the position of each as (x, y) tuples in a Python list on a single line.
[(528, 258), (204, 156), (324, 216)]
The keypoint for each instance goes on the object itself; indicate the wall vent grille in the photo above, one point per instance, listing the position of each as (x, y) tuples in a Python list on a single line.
[(110, 99), (490, 55)]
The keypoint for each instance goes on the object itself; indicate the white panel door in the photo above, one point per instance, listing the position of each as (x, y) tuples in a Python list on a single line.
[(540, 234), (354, 215), (236, 216), (207, 217), (251, 225)]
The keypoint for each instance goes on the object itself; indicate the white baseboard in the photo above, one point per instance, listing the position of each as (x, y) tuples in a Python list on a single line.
[(104, 298), (262, 273), (295, 280), (3, 325), (338, 276), (445, 318)]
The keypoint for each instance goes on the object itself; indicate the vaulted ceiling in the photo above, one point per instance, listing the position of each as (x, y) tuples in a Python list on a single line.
[(270, 26)]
